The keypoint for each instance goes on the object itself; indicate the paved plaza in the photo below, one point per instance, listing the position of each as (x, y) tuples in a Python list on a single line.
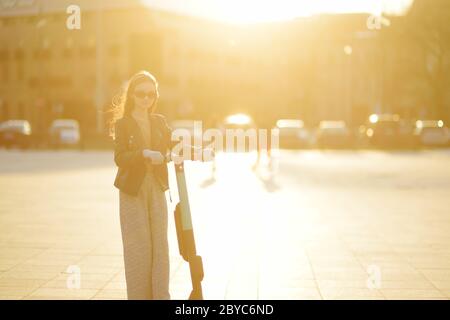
[(317, 225)]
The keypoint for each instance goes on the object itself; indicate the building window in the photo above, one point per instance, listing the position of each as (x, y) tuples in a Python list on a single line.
[(4, 110), (42, 54), (32, 20), (8, 21), (20, 111), (4, 55), (33, 82), (4, 71), (87, 52), (67, 53), (19, 54), (20, 70)]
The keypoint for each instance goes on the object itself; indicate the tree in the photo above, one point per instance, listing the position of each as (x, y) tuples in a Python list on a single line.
[(428, 27)]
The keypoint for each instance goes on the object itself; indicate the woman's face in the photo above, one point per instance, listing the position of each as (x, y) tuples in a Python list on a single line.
[(144, 95)]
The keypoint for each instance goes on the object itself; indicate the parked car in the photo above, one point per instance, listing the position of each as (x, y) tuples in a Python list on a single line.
[(292, 134), (388, 130), (64, 132), (333, 134), (239, 121), (431, 133), (15, 133)]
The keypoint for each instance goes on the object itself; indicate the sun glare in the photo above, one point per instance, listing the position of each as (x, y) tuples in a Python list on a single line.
[(253, 11)]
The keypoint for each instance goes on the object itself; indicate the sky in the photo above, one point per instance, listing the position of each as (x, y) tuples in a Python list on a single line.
[(251, 11)]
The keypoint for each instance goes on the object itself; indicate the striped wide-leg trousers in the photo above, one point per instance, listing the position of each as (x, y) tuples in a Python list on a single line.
[(143, 220)]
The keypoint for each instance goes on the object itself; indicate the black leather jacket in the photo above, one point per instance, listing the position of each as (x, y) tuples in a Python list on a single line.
[(128, 147)]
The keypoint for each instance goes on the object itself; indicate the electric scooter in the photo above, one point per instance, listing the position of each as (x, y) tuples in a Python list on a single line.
[(185, 234)]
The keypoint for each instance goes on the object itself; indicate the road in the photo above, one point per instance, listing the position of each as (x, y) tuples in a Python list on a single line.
[(317, 225)]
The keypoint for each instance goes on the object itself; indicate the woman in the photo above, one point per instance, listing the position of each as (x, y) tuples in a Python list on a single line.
[(142, 140)]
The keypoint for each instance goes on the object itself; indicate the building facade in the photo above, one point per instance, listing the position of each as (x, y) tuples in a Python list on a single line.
[(322, 67)]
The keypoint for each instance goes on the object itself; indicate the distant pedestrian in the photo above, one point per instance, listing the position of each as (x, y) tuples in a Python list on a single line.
[(263, 123)]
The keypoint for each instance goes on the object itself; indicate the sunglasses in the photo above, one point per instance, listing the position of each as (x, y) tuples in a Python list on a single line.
[(145, 94)]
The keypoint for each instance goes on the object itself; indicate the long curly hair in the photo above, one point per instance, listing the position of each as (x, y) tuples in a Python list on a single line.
[(122, 104)]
